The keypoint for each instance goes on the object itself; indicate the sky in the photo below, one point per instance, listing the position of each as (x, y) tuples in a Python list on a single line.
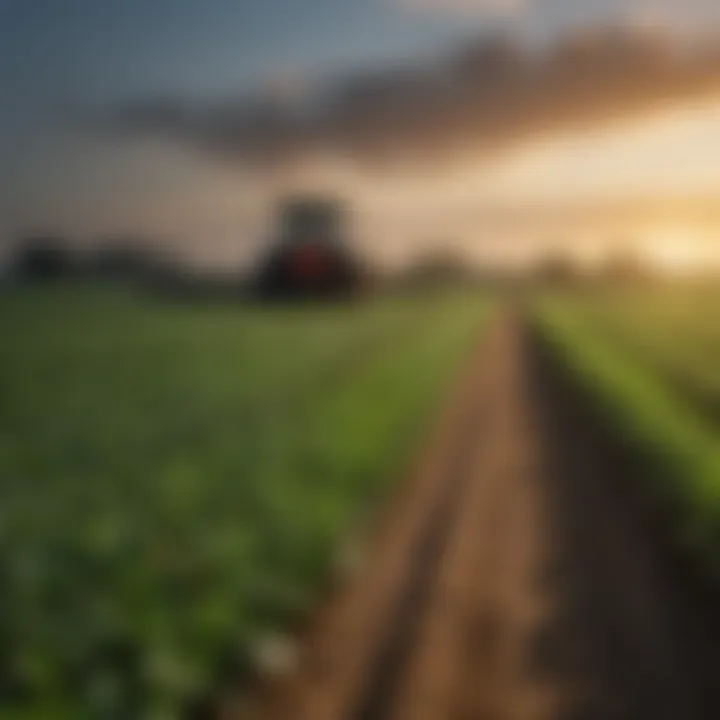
[(60, 56)]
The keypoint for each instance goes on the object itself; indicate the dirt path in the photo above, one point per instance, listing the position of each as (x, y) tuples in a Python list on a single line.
[(516, 577)]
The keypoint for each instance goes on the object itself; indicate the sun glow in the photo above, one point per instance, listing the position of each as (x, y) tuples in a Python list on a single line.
[(673, 153), (677, 253)]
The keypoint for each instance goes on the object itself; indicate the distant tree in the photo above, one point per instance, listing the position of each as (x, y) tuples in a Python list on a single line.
[(124, 259), (437, 268), (556, 268), (42, 257), (623, 266)]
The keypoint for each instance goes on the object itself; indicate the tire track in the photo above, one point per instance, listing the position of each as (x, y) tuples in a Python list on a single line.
[(486, 604), (518, 575)]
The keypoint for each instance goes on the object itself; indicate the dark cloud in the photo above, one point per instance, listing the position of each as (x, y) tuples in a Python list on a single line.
[(488, 95)]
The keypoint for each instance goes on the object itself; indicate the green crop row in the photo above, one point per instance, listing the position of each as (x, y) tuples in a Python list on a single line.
[(672, 330), (174, 481), (679, 446)]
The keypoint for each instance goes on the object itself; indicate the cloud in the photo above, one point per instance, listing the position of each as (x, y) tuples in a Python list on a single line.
[(654, 15), (458, 7), (486, 96)]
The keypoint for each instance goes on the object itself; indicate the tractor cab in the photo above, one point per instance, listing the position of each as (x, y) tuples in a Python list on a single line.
[(310, 259)]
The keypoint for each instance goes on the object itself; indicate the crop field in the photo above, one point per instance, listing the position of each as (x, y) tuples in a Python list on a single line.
[(177, 480), (673, 331), (406, 508), (650, 358)]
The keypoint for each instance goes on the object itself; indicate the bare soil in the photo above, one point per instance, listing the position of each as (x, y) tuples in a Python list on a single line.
[(521, 572)]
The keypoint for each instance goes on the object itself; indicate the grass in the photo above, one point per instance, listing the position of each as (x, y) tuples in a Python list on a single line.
[(647, 411), (176, 479)]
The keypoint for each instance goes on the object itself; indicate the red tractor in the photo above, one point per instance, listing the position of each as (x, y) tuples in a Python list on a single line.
[(311, 260)]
